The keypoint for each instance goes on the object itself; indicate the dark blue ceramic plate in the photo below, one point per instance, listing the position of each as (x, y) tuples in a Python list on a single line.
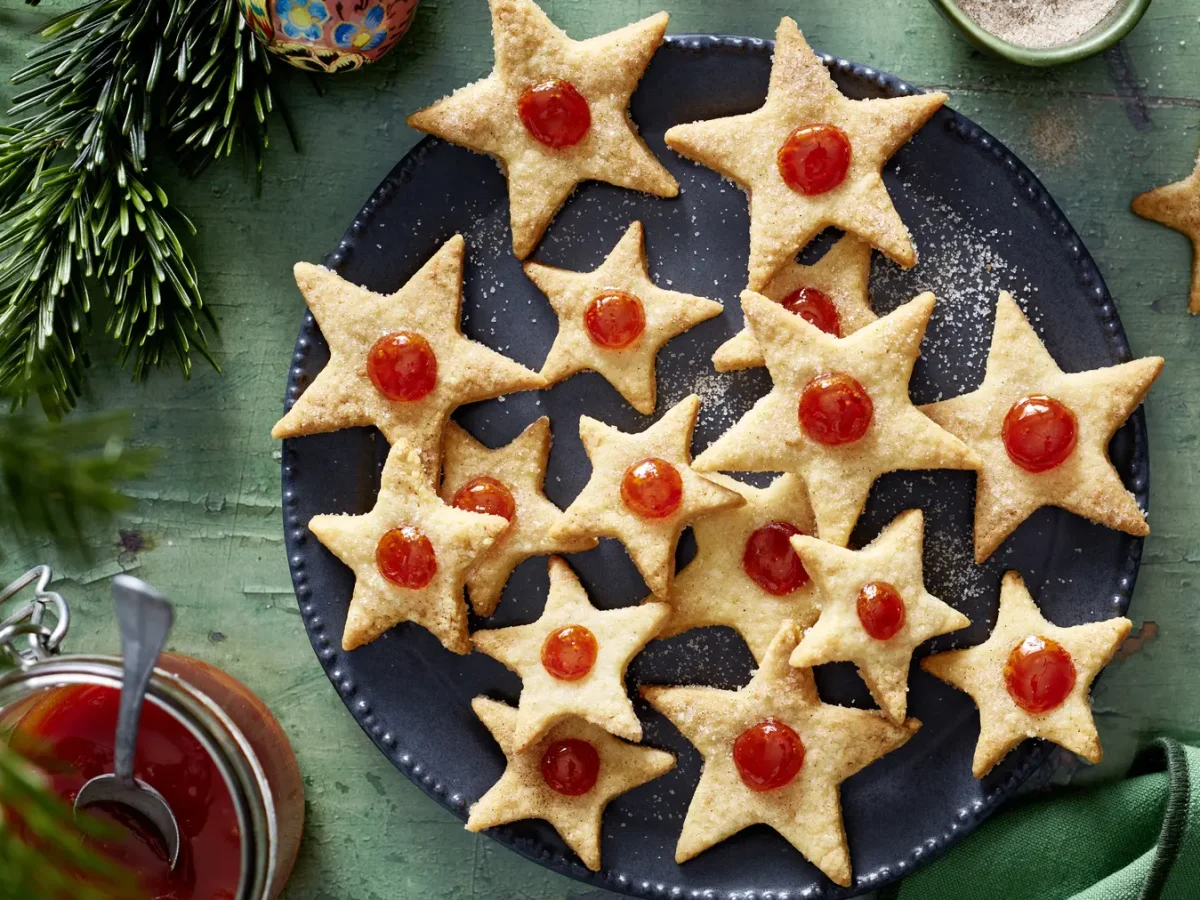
[(981, 222)]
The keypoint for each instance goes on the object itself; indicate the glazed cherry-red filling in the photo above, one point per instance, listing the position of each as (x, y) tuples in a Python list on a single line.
[(815, 308), (1039, 433), (571, 766), (614, 319), (1039, 674), (569, 653), (880, 610), (402, 366), (555, 114), (814, 159), (768, 755), (652, 488), (771, 562), (405, 557), (835, 409), (486, 495)]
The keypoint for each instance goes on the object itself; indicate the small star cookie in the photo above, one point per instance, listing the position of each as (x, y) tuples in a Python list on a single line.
[(614, 320), (809, 747), (1177, 206), (504, 479), (717, 588), (572, 660), (875, 610), (554, 112), (832, 294), (839, 414), (810, 158), (398, 361), (643, 491), (1050, 668), (1068, 418), (572, 805), (410, 555)]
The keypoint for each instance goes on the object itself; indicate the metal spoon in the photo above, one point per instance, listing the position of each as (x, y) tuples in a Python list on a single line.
[(144, 618)]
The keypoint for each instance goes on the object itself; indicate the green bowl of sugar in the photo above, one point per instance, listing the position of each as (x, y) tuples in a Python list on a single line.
[(1043, 32)]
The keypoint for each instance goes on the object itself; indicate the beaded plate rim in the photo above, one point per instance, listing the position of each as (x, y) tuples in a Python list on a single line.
[(1034, 753)]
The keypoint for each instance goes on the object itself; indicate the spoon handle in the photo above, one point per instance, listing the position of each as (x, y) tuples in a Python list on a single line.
[(144, 618)]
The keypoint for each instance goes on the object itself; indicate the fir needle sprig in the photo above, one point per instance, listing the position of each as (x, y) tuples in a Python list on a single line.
[(79, 208)]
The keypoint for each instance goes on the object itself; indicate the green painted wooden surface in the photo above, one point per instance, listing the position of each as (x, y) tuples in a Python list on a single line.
[(207, 525)]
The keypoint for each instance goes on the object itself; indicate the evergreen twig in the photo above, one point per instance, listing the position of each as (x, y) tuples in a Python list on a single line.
[(78, 204)]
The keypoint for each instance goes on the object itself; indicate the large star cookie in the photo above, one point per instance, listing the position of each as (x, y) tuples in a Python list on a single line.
[(506, 481), (410, 555), (745, 574), (810, 158), (572, 659), (832, 293), (1043, 434), (643, 491), (398, 361), (567, 778), (554, 112), (1177, 206), (614, 320), (874, 608), (803, 749), (839, 414), (1030, 678)]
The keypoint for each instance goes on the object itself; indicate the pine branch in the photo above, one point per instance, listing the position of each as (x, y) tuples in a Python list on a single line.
[(56, 477), (222, 90), (44, 854)]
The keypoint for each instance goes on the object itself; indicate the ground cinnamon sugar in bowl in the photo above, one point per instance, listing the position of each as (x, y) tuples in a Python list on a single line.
[(1038, 24)]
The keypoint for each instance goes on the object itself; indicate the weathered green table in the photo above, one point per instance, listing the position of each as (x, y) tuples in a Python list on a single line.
[(207, 528)]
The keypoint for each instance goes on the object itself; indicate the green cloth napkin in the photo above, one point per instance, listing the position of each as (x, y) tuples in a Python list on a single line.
[(1137, 839)]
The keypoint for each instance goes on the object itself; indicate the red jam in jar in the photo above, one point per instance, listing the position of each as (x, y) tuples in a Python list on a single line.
[(68, 734)]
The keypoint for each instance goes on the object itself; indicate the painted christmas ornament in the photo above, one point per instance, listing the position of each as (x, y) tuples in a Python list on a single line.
[(329, 35)]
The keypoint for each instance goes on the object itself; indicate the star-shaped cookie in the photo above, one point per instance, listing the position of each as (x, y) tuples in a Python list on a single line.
[(1018, 366), (520, 468), (426, 546), (879, 358), (837, 742), (524, 793), (749, 150), (842, 275), (715, 588), (532, 56), (614, 320), (857, 590), (426, 312), (595, 693), (660, 460), (1177, 206), (980, 671)]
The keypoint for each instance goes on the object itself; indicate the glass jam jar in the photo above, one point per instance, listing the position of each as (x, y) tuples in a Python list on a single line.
[(209, 745)]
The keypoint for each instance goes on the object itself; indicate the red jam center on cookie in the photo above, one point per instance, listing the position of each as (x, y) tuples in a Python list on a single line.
[(405, 557), (768, 755), (571, 766), (569, 653), (815, 308), (880, 610), (652, 488), (486, 495), (835, 409), (1039, 674), (814, 159), (614, 319), (555, 114), (1039, 433), (771, 562), (402, 366)]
